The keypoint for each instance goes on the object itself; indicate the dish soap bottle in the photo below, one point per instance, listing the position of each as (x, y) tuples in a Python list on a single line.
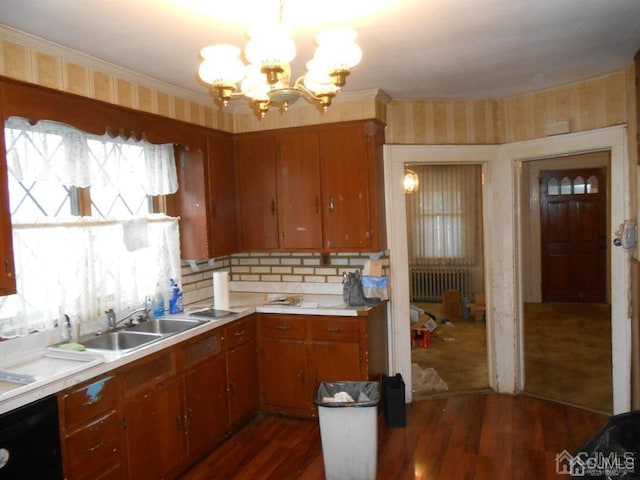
[(157, 303), (175, 301)]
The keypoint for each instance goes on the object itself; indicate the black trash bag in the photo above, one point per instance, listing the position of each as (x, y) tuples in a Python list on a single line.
[(364, 394), (394, 405), (613, 453)]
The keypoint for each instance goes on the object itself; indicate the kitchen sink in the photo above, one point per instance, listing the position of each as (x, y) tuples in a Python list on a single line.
[(165, 326), (120, 341)]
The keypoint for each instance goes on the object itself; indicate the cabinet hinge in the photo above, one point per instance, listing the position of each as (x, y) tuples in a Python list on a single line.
[(124, 423)]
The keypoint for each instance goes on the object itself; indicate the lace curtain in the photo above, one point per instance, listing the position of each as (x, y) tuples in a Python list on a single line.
[(443, 216), (80, 266)]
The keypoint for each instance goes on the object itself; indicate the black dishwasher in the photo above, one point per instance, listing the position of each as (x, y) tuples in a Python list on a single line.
[(30, 442)]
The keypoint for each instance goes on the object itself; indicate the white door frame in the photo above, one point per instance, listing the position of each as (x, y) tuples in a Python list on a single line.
[(503, 269)]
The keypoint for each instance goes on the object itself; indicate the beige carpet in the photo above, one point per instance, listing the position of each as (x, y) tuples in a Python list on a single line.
[(568, 353), (457, 354)]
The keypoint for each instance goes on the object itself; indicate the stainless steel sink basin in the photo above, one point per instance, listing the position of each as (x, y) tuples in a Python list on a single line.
[(120, 341), (165, 326)]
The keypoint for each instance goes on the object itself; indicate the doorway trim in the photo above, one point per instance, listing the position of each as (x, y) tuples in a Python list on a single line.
[(503, 264)]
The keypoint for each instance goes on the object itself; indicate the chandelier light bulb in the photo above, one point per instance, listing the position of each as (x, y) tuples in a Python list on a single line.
[(337, 49), (270, 46), (221, 65), (318, 80), (254, 85)]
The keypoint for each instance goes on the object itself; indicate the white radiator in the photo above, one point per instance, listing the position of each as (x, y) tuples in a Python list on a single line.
[(428, 283)]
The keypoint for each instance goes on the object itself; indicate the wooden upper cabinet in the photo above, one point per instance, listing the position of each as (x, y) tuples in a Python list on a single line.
[(7, 277), (222, 211), (353, 187), (205, 200), (256, 191), (298, 185), (190, 203), (312, 188)]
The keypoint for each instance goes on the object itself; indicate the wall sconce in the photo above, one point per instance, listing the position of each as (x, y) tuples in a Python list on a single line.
[(410, 181)]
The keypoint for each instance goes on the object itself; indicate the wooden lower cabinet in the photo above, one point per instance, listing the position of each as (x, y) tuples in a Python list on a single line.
[(91, 433), (242, 370), (205, 406), (153, 418), (297, 352), (335, 361), (283, 369), (156, 431)]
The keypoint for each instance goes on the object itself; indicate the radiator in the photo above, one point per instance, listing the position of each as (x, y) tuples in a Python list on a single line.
[(428, 283)]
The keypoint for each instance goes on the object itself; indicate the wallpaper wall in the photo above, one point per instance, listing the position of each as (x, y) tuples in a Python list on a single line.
[(594, 103)]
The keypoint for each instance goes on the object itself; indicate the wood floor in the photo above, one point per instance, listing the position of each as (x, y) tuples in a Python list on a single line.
[(474, 436)]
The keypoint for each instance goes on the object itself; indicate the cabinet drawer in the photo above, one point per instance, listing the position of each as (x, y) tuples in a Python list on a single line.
[(239, 333), (280, 326), (148, 373), (201, 349), (334, 328), (89, 401), (95, 448)]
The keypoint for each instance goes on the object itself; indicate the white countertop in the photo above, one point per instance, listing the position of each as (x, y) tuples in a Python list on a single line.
[(52, 376)]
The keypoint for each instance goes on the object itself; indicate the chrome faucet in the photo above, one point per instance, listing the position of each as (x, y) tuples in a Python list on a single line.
[(146, 316)]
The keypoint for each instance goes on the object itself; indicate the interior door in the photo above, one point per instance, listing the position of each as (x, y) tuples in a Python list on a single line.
[(573, 230)]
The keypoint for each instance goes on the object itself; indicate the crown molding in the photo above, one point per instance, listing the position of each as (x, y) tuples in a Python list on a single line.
[(73, 56)]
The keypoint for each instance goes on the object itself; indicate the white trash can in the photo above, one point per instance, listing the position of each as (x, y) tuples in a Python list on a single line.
[(348, 416)]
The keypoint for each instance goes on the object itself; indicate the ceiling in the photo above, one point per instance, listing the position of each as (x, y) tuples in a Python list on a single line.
[(411, 48)]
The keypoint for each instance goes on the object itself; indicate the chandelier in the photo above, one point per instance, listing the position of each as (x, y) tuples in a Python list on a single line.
[(266, 79)]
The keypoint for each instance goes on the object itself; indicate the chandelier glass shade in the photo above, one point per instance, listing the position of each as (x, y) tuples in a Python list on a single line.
[(266, 79)]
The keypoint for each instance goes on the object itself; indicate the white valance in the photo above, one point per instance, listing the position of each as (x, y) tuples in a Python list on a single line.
[(79, 159)]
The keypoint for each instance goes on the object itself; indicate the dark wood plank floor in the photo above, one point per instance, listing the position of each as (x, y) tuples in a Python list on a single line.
[(474, 436)]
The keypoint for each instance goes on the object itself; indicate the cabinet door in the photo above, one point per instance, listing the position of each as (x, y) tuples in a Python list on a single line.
[(298, 180), (156, 431), (191, 203), (206, 405), (242, 375), (222, 210), (256, 192), (283, 371), (345, 185), (335, 361), (7, 278)]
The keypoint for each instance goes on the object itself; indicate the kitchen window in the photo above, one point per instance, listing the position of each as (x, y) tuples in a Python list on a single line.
[(85, 234)]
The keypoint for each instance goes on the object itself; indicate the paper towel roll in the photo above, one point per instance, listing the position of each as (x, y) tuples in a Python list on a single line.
[(221, 290)]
